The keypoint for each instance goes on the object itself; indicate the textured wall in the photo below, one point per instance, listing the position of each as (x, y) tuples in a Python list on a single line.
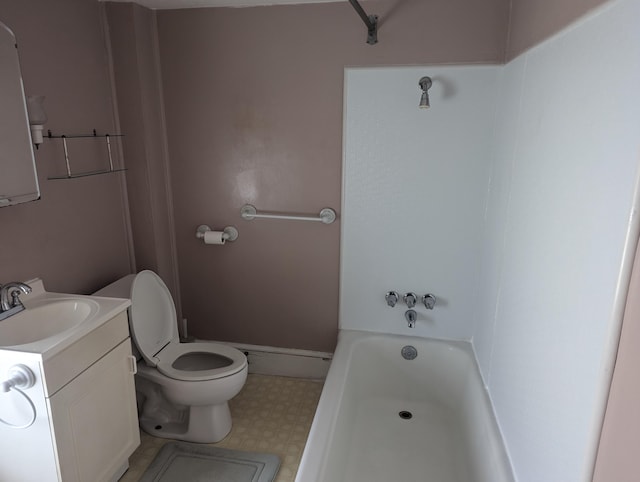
[(75, 236), (254, 115)]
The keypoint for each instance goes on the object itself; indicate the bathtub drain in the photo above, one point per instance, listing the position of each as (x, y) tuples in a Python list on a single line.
[(409, 352), (405, 415)]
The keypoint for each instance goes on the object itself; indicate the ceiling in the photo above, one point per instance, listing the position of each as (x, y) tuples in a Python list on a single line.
[(169, 4)]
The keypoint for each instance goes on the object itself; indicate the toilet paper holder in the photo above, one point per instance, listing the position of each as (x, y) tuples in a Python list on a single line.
[(229, 233)]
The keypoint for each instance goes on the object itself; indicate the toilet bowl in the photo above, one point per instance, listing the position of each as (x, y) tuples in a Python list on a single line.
[(183, 389)]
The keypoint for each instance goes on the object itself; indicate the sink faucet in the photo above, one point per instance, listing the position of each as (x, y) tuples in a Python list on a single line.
[(10, 303)]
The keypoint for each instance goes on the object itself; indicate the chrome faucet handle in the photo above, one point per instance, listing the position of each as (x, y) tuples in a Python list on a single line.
[(15, 298), (6, 291), (429, 301), (411, 316), (410, 299), (392, 298)]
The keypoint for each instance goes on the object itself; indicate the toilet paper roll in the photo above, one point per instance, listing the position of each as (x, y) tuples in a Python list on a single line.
[(214, 237)]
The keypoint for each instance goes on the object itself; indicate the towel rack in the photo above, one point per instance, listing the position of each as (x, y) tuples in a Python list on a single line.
[(95, 135), (326, 215)]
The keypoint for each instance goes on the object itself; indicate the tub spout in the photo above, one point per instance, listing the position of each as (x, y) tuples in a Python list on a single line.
[(411, 316)]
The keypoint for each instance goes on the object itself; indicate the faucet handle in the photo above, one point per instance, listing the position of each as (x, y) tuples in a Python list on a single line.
[(15, 298), (12, 289), (410, 299), (429, 301), (392, 298)]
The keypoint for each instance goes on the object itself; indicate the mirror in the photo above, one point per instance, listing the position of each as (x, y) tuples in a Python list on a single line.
[(18, 178)]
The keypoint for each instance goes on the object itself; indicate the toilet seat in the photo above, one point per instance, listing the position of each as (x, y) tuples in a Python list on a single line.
[(170, 353), (154, 328), (152, 316)]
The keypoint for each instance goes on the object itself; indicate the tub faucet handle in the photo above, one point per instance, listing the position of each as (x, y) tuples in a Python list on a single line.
[(392, 298), (429, 301), (411, 316), (410, 299)]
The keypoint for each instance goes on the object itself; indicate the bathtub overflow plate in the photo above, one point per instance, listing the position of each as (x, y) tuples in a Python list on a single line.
[(409, 352)]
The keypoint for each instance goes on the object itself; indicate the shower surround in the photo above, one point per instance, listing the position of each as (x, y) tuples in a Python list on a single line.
[(512, 199)]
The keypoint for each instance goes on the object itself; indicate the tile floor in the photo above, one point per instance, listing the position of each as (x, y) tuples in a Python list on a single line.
[(271, 414)]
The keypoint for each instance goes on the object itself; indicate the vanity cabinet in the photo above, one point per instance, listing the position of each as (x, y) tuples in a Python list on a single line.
[(87, 422), (94, 419), (94, 422)]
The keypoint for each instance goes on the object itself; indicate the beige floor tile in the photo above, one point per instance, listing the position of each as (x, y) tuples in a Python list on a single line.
[(271, 414)]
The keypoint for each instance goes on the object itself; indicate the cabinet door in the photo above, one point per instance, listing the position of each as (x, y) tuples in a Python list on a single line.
[(95, 420)]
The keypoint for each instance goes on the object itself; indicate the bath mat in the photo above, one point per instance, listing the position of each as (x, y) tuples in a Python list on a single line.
[(189, 462)]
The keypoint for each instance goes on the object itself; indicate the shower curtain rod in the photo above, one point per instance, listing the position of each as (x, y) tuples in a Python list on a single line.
[(371, 21)]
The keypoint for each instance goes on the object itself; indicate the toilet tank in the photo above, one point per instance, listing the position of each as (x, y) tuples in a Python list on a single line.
[(121, 289), (118, 289)]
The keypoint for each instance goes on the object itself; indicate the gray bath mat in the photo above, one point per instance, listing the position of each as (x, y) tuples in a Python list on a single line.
[(188, 462)]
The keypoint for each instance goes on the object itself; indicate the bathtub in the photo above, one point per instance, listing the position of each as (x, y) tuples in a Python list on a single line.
[(383, 418)]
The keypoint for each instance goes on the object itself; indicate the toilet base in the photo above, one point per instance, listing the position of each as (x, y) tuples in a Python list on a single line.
[(197, 423), (201, 424)]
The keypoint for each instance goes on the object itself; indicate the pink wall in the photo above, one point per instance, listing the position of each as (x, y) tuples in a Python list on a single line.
[(254, 115), (618, 453), (75, 237), (133, 41), (532, 21), (254, 98)]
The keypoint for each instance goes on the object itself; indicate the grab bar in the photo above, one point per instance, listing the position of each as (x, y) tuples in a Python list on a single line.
[(326, 216)]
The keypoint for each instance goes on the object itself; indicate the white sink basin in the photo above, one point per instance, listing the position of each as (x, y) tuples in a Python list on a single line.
[(51, 322), (45, 318)]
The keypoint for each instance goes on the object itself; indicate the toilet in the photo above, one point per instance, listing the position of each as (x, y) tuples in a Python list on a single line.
[(183, 389)]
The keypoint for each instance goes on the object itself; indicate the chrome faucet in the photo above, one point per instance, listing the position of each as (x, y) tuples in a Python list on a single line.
[(10, 303), (411, 316)]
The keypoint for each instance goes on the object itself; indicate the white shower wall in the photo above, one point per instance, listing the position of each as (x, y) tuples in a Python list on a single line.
[(415, 181), (512, 200), (559, 220)]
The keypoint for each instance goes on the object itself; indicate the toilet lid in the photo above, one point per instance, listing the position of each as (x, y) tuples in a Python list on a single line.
[(232, 361), (153, 320)]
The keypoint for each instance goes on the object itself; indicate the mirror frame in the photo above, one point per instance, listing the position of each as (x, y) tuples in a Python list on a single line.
[(19, 184)]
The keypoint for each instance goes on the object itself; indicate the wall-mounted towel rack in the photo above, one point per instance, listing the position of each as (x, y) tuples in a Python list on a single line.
[(95, 135), (326, 216)]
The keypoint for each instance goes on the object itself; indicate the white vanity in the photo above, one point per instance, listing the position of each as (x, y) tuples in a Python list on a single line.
[(86, 423)]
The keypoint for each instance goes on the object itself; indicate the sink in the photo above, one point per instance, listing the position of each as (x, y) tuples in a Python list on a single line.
[(45, 318), (70, 355), (52, 322)]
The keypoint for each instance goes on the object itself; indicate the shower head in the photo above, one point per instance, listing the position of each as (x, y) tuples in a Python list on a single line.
[(425, 85)]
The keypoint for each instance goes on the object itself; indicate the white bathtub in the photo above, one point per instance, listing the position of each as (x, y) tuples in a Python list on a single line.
[(358, 434)]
